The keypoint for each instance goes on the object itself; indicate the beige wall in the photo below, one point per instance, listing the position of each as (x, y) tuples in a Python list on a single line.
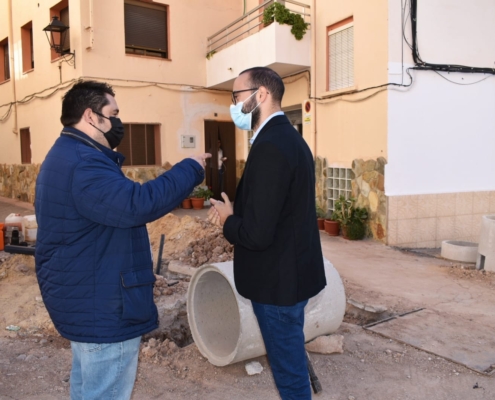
[(348, 127), (148, 90)]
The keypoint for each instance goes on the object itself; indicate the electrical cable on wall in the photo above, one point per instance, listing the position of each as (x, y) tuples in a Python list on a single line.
[(423, 65), (178, 87)]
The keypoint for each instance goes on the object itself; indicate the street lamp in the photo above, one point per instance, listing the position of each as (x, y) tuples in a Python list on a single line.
[(56, 39)]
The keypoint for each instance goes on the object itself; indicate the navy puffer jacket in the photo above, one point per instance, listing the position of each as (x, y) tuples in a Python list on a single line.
[(93, 258)]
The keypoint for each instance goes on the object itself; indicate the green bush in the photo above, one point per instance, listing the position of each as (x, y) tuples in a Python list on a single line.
[(278, 12), (356, 230)]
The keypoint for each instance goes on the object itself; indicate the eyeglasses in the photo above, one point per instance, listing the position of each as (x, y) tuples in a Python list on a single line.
[(234, 94)]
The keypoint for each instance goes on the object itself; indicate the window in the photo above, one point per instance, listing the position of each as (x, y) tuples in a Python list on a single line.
[(4, 60), (341, 55), (25, 146), (146, 29), (61, 10), (27, 47), (141, 144)]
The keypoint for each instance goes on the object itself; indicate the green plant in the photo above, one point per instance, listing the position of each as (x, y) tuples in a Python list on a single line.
[(278, 12), (202, 192), (320, 213), (347, 214), (356, 230), (343, 210)]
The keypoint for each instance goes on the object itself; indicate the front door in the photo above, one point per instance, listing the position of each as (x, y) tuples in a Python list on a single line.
[(221, 135)]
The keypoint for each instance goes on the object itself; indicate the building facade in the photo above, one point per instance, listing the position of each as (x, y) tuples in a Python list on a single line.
[(384, 104)]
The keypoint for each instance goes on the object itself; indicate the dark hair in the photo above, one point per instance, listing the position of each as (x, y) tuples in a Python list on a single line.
[(262, 76), (84, 95)]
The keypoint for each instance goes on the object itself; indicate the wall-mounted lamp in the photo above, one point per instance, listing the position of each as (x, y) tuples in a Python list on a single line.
[(56, 38)]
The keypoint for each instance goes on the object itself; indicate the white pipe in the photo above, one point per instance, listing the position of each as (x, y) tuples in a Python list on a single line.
[(224, 326), (13, 72)]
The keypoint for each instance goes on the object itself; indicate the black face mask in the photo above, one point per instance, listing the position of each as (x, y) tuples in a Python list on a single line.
[(116, 133)]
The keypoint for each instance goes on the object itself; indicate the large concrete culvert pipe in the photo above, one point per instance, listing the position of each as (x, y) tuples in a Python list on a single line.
[(224, 326)]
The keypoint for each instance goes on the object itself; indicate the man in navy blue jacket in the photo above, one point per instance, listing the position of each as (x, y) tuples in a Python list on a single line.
[(278, 262), (93, 257)]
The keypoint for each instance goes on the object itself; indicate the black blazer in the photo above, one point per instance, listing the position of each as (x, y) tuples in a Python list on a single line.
[(277, 249)]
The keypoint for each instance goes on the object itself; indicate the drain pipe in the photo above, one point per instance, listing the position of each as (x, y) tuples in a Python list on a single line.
[(223, 324), (313, 73), (13, 69)]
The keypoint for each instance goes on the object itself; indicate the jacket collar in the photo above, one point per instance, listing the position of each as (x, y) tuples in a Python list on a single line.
[(277, 120), (76, 134)]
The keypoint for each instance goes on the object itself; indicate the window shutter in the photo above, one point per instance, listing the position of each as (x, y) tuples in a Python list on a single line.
[(150, 145), (138, 144), (6, 64), (341, 58), (145, 27)]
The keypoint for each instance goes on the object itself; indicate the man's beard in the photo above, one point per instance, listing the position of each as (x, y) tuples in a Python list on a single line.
[(248, 107)]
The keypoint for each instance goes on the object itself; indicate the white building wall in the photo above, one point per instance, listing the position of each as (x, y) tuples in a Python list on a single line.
[(441, 135)]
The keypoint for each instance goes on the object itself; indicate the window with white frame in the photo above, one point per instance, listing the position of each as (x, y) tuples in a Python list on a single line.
[(341, 55)]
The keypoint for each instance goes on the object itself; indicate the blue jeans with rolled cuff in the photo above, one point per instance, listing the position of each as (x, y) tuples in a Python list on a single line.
[(282, 331), (103, 371)]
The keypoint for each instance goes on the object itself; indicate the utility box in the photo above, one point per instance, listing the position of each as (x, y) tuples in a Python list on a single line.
[(188, 141)]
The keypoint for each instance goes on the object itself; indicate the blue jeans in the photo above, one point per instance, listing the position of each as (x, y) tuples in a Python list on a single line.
[(103, 371), (282, 331)]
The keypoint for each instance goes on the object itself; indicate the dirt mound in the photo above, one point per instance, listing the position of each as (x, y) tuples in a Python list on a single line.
[(20, 299), (192, 241)]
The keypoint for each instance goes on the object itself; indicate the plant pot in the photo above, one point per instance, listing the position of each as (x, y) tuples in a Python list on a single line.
[(344, 232), (332, 227), (321, 224), (186, 203), (197, 203)]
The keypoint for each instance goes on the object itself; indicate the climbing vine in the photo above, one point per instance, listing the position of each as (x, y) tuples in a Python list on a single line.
[(278, 12)]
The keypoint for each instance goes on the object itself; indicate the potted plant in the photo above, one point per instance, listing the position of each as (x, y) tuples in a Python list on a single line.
[(320, 217), (186, 203), (332, 227), (352, 219), (199, 195)]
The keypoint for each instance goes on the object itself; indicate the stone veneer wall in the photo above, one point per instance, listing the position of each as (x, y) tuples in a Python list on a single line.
[(321, 182), (19, 181), (368, 188)]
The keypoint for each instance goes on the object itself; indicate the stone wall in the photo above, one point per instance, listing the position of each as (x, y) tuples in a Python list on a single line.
[(321, 182), (19, 181), (368, 188)]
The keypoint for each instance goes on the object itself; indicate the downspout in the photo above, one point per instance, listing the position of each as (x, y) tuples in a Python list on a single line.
[(313, 72), (13, 71)]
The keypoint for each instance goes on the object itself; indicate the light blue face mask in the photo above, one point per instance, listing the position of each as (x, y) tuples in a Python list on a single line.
[(242, 120)]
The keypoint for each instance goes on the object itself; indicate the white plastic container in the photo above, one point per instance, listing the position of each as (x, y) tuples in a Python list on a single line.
[(30, 228), (13, 222)]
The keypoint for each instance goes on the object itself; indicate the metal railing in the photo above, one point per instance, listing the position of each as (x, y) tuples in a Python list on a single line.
[(250, 23)]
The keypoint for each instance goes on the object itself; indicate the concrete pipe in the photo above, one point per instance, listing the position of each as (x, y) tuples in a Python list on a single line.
[(223, 324), (486, 249)]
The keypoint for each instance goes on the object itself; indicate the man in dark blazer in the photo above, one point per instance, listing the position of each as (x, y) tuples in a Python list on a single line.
[(278, 262)]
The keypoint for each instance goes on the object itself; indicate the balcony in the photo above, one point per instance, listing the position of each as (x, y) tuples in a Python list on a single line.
[(247, 43)]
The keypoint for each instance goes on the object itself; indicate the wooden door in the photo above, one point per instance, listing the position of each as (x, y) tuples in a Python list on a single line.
[(225, 132)]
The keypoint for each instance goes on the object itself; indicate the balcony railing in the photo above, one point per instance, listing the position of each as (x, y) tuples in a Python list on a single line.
[(250, 23)]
